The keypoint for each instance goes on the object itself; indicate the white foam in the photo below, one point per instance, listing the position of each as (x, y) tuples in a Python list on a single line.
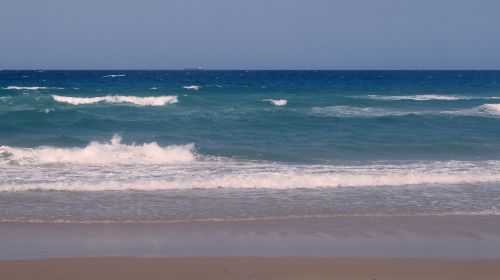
[(192, 173), (485, 110), (47, 110), (348, 111), (113, 76), (113, 152), (24, 88), (492, 108), (192, 87), (277, 102), (425, 97), (142, 101)]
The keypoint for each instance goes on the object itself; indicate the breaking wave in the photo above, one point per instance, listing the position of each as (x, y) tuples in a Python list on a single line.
[(116, 166), (424, 97), (113, 76), (142, 101), (277, 102), (112, 152), (24, 88), (191, 173), (348, 111), (192, 87), (485, 110)]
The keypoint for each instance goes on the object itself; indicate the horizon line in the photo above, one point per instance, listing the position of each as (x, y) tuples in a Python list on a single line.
[(249, 69)]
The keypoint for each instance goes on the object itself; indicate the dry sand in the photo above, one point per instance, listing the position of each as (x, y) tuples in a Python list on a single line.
[(249, 268)]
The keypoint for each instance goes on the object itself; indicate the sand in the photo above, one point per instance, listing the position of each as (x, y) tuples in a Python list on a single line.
[(249, 268), (403, 248), (464, 237)]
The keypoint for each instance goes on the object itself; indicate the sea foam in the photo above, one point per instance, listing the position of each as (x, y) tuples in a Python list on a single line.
[(24, 88), (114, 165), (96, 153), (348, 111), (113, 76), (147, 168), (492, 108), (192, 87), (142, 101), (424, 97), (485, 110), (277, 102)]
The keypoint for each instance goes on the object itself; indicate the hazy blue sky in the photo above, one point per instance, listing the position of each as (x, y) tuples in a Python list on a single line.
[(250, 34)]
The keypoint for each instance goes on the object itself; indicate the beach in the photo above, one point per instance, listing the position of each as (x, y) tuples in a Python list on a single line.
[(236, 139), (249, 174), (250, 268), (459, 237), (462, 247), (323, 248)]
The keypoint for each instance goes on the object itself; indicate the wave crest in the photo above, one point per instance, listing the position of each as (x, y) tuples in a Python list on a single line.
[(492, 108), (113, 76), (485, 110), (113, 152), (277, 102), (24, 88), (226, 174), (424, 97), (348, 111), (192, 87), (142, 101)]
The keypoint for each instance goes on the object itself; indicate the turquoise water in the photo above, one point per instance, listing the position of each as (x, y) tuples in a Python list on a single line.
[(157, 131)]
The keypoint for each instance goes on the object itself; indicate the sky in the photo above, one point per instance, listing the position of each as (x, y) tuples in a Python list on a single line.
[(250, 34)]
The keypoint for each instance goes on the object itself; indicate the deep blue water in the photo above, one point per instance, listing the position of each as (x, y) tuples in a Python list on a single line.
[(158, 130), (329, 116)]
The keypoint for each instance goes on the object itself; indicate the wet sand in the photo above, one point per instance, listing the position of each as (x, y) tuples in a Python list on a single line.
[(249, 268), (437, 248), (454, 237)]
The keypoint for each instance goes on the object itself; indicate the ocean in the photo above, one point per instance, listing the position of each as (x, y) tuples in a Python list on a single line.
[(196, 145)]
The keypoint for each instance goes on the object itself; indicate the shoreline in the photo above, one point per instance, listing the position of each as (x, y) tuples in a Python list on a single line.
[(452, 237), (250, 268), (249, 220)]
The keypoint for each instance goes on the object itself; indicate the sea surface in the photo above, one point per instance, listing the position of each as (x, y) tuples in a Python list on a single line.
[(195, 145)]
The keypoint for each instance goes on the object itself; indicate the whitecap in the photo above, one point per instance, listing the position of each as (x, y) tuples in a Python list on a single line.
[(47, 110), (485, 110), (348, 111), (114, 76), (492, 108), (192, 87), (96, 153), (424, 97), (152, 167), (24, 88), (141, 101), (277, 102)]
